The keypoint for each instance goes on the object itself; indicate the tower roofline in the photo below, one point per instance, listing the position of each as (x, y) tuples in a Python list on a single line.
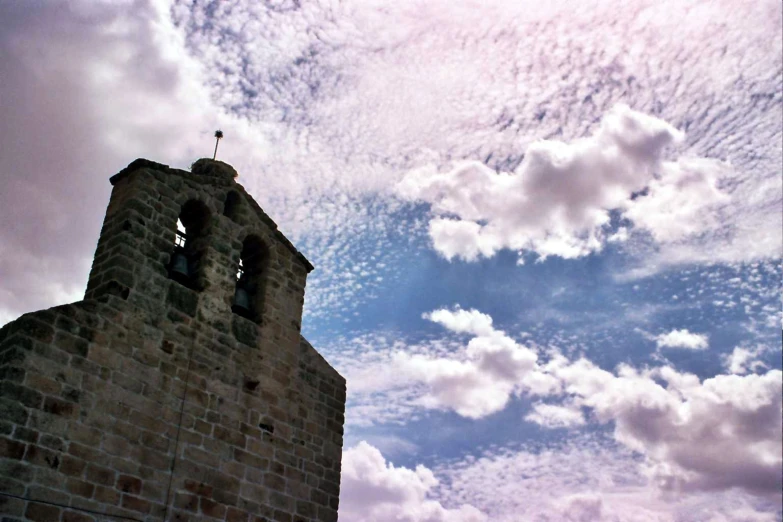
[(213, 172)]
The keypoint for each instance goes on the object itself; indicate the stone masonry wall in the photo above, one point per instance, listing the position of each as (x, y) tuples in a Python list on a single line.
[(151, 401)]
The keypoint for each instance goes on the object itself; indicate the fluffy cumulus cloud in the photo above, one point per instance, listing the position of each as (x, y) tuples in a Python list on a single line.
[(719, 433), (373, 490), (683, 201), (391, 381), (682, 339), (462, 321), (558, 200), (481, 382)]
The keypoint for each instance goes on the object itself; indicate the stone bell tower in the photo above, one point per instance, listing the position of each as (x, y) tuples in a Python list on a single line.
[(180, 388)]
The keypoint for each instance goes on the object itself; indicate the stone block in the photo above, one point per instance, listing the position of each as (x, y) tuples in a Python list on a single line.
[(72, 466), (77, 516), (13, 412), (107, 496), (100, 475), (11, 449), (212, 509), (244, 330), (34, 328), (129, 484), (38, 512), (59, 407), (275, 482), (186, 501), (183, 299), (43, 457), (12, 374), (71, 344), (21, 394), (11, 506), (136, 504), (80, 488)]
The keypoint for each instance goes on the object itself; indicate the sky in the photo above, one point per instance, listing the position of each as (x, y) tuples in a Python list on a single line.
[(547, 235)]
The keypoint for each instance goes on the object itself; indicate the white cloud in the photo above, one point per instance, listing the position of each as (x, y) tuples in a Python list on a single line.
[(696, 435), (373, 490), (556, 416), (749, 231), (682, 339), (462, 321), (586, 478), (388, 445), (389, 381), (481, 382), (742, 360), (680, 202), (555, 203), (458, 238), (737, 361), (582, 508), (719, 433), (618, 237)]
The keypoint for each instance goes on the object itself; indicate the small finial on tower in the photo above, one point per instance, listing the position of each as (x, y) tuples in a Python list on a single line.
[(218, 135)]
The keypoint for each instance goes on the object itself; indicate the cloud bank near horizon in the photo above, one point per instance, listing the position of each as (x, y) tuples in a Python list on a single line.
[(585, 479)]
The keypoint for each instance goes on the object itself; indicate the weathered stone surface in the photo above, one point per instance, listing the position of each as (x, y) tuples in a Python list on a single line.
[(149, 383), (208, 167), (183, 299)]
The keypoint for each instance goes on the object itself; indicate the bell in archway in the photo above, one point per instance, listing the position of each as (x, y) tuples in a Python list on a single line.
[(179, 267), (241, 304)]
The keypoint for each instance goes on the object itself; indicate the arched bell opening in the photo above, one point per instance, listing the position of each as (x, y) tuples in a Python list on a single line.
[(189, 245), (231, 206), (251, 279)]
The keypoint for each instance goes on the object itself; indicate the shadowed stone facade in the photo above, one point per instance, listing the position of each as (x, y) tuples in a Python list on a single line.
[(151, 400)]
